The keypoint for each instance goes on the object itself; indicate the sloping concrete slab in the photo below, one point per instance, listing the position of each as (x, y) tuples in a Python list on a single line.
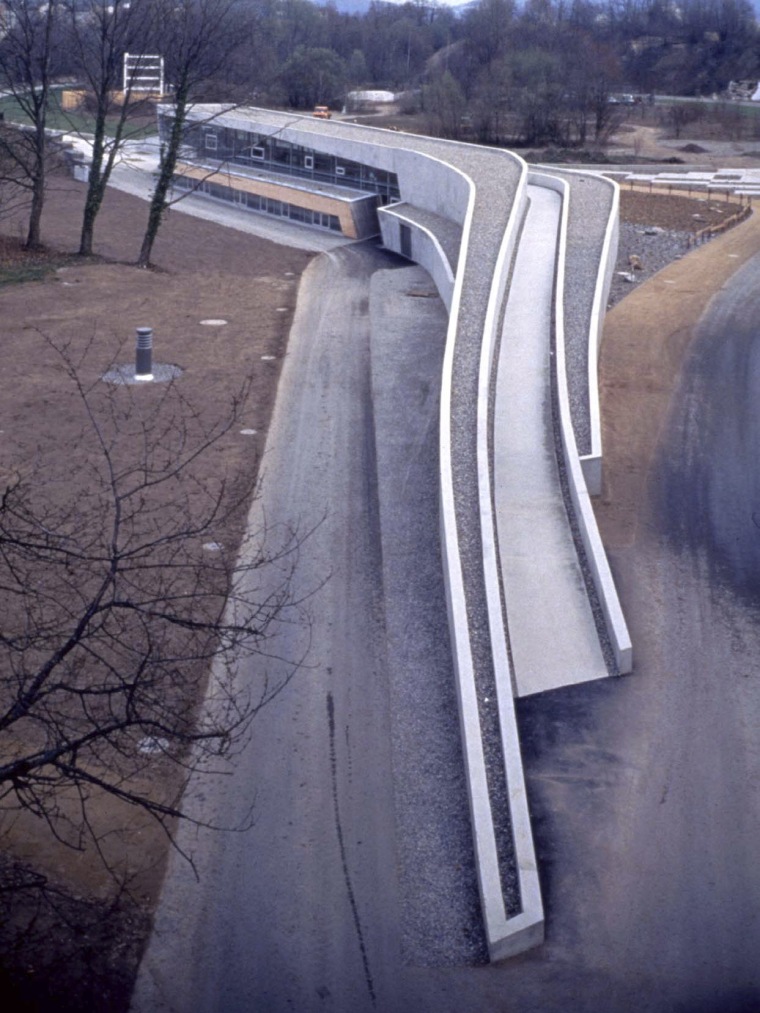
[(552, 631)]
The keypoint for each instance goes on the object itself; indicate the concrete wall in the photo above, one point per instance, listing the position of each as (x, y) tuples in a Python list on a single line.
[(506, 936), (426, 249), (616, 625), (592, 462), (364, 215), (424, 181)]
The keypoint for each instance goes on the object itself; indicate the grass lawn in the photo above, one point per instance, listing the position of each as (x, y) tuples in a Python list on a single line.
[(141, 123)]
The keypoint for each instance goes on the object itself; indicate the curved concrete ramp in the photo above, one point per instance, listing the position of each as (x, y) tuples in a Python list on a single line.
[(553, 635)]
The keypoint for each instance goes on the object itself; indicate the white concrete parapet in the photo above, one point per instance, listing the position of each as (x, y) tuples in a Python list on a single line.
[(426, 248), (617, 628), (505, 936)]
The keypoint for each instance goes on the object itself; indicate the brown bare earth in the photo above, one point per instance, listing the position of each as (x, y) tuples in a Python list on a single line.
[(651, 143), (674, 213), (81, 951), (645, 339)]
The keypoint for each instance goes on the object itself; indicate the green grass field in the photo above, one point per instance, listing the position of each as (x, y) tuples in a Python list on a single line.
[(79, 121)]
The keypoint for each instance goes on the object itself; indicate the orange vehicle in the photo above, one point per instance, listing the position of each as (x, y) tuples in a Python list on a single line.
[(322, 113)]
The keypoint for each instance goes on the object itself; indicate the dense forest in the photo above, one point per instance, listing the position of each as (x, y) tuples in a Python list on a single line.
[(540, 72), (537, 73)]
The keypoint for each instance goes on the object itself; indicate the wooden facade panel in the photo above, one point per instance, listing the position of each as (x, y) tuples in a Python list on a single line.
[(320, 202)]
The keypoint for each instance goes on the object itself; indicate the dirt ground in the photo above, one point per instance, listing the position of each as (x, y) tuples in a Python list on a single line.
[(645, 340), (674, 213), (81, 951), (649, 142)]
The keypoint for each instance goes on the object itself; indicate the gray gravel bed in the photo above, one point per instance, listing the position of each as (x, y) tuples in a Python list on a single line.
[(441, 923), (590, 203), (496, 190), (655, 248)]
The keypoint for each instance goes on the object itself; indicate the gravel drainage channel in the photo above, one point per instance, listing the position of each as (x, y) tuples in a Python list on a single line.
[(486, 234)]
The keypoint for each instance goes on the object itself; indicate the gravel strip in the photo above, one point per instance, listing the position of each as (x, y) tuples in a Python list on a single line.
[(590, 202), (496, 190), (441, 922), (655, 248)]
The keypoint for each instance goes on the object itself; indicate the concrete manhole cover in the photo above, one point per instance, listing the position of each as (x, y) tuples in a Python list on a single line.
[(125, 375)]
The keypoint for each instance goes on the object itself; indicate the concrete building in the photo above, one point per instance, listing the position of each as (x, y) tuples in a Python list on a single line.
[(461, 212), (232, 157)]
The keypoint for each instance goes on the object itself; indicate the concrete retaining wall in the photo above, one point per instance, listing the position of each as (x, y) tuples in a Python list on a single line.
[(617, 627), (506, 937), (426, 250), (513, 935), (592, 462)]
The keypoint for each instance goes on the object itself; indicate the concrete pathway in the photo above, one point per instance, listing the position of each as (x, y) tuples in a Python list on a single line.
[(552, 631)]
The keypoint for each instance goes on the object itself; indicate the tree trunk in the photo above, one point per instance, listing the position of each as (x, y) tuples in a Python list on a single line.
[(91, 208), (34, 233), (158, 203), (95, 188)]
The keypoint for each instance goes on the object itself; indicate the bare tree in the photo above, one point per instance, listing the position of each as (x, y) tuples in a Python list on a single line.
[(14, 195), (679, 115), (118, 602), (27, 53), (196, 38), (98, 41)]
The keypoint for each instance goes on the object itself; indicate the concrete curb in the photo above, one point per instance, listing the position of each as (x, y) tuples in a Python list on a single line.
[(426, 250), (592, 462), (505, 936), (512, 935), (604, 583)]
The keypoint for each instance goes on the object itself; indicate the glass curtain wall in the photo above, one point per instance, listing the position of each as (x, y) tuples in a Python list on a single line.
[(249, 149)]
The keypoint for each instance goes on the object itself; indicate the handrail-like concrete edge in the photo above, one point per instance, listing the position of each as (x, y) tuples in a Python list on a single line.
[(592, 462), (617, 628), (505, 937), (435, 261), (526, 930), (481, 818)]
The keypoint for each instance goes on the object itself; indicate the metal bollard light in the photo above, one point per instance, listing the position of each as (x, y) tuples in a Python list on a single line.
[(144, 354)]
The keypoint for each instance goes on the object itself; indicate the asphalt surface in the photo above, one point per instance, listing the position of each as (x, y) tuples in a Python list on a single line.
[(712, 496), (645, 791), (279, 915)]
